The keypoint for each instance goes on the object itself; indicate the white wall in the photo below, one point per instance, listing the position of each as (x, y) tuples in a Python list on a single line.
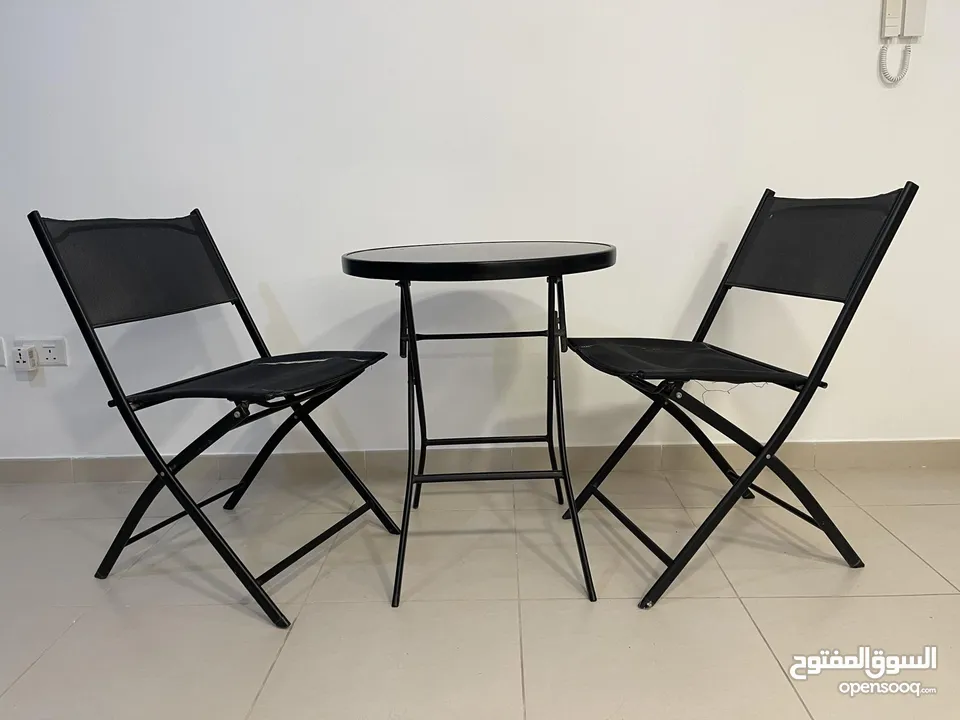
[(307, 128)]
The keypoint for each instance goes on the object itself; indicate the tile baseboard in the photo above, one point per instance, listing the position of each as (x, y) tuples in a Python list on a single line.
[(874, 455)]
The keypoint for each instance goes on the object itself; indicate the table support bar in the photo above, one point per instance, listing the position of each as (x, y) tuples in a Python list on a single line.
[(490, 440), (482, 476), (483, 335)]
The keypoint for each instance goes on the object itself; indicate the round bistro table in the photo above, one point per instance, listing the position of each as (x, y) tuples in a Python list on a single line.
[(469, 262)]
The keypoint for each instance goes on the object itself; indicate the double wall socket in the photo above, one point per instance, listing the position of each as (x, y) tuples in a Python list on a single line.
[(50, 351)]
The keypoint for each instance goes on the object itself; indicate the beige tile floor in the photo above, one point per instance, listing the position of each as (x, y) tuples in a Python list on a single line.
[(494, 624)]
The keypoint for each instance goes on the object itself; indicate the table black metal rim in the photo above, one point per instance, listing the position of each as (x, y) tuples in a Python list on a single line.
[(479, 261)]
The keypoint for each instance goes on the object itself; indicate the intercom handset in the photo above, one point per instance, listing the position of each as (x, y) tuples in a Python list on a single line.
[(901, 19)]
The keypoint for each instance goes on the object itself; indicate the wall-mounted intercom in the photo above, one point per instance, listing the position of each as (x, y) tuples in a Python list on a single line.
[(901, 19)]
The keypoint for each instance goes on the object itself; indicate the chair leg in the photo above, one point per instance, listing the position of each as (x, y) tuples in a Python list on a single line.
[(712, 450), (166, 478), (764, 456), (216, 431), (755, 448), (611, 462), (701, 534), (344, 467), (817, 512), (123, 536), (226, 552), (258, 462)]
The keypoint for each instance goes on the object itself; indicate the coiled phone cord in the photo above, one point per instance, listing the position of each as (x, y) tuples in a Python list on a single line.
[(904, 65)]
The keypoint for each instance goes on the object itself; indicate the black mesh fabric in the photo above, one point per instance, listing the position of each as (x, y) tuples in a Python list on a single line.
[(656, 359), (265, 379), (127, 270), (811, 248)]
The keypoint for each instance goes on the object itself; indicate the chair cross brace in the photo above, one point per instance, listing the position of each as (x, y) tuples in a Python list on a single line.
[(679, 404), (166, 476)]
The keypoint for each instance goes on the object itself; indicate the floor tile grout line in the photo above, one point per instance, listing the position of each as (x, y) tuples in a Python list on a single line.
[(714, 556), (773, 655), (836, 487), (899, 505), (47, 649), (800, 597), (666, 477), (329, 547), (902, 542), (276, 658), (618, 598), (848, 597), (516, 545)]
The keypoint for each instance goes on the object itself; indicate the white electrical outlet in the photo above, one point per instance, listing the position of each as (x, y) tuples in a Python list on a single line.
[(50, 351), (25, 358)]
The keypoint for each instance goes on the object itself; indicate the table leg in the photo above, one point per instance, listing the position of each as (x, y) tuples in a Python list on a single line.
[(550, 397), (416, 414), (553, 351), (413, 395)]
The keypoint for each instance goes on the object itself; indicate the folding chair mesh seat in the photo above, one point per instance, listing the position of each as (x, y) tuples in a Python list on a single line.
[(822, 249), (115, 271), (263, 380), (655, 359)]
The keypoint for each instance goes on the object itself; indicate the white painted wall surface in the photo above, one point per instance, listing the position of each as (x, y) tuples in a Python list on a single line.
[(307, 128)]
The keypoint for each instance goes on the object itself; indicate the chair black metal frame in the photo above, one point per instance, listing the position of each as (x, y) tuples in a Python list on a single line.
[(826, 268), (148, 292)]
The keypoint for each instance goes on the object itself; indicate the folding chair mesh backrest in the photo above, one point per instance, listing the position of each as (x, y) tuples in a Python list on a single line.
[(824, 249), (115, 271), (810, 248), (128, 270)]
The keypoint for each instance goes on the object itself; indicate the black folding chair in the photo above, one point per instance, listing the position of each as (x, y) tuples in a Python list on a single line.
[(115, 271), (823, 249)]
